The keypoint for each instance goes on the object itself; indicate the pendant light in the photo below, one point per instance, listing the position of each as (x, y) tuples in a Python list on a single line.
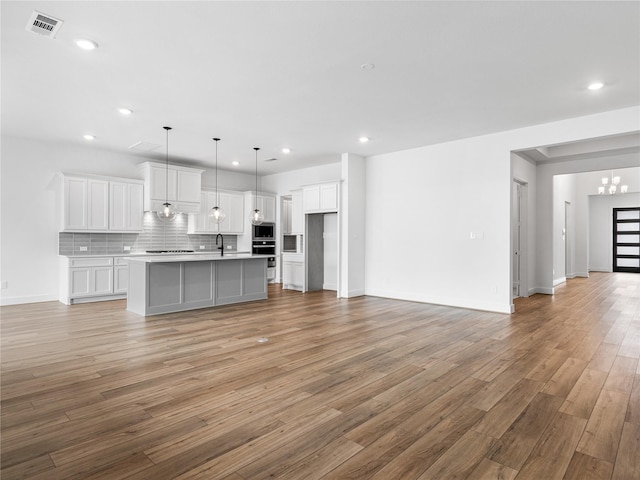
[(256, 215), (168, 212), (612, 185), (216, 214)]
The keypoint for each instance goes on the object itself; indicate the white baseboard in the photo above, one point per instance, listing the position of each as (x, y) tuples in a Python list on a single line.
[(542, 290), (581, 274), (471, 304), (559, 281), (28, 299), (597, 269), (353, 293)]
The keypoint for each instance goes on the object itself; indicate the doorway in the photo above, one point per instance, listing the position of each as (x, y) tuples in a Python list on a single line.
[(566, 234), (518, 238)]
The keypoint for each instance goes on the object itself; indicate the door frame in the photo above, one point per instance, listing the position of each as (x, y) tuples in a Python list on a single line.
[(521, 188)]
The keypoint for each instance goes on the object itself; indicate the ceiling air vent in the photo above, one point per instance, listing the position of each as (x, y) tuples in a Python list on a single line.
[(42, 24), (271, 159), (144, 146)]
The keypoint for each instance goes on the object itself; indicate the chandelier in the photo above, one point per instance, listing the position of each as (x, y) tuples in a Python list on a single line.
[(612, 184)]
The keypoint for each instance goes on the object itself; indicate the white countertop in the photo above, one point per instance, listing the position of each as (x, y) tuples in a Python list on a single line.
[(144, 254), (190, 257)]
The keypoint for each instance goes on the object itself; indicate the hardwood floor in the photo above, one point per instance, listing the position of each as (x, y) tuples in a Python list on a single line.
[(344, 389)]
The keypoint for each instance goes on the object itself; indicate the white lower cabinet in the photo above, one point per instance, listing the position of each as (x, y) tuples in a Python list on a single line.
[(87, 279), (120, 276), (293, 274)]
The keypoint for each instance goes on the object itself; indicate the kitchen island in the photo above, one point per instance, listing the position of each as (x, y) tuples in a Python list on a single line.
[(174, 283)]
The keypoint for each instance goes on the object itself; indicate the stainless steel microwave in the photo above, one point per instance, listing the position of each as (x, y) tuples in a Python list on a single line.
[(264, 231)]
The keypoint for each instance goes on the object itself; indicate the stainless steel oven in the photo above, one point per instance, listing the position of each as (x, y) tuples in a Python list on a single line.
[(263, 247)]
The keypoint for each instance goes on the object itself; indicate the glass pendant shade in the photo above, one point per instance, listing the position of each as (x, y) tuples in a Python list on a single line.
[(600, 190), (256, 217), (612, 190), (216, 215), (168, 212), (623, 189)]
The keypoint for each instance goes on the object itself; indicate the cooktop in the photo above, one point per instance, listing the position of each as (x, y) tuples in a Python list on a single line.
[(169, 251)]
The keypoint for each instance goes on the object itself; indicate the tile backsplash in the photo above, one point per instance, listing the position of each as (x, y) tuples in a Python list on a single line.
[(155, 236)]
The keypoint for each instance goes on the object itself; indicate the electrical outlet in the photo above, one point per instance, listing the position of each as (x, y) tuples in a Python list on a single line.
[(229, 247), (127, 248), (5, 285), (476, 236), (201, 247), (83, 249)]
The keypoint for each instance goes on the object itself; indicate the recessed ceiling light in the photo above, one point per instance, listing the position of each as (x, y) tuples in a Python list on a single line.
[(595, 86), (125, 111), (367, 66), (88, 137), (286, 150), (363, 139), (86, 44), (235, 163)]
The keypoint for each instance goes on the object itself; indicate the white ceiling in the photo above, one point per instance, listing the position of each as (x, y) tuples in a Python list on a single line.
[(276, 74)]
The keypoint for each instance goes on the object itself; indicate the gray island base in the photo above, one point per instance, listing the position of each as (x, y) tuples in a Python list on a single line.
[(174, 283)]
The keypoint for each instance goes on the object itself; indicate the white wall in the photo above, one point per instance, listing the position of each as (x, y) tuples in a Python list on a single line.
[(601, 227), (29, 220), (353, 234), (563, 193), (422, 205)]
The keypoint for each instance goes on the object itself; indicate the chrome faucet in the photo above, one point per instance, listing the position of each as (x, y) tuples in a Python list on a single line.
[(221, 247)]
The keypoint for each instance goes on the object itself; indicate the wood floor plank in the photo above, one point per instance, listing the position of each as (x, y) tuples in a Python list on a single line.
[(585, 467), (516, 444), (627, 466), (489, 470), (553, 452), (603, 430), (584, 394), (354, 388)]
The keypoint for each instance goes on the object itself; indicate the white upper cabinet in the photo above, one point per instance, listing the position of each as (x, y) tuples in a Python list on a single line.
[(125, 206), (98, 207), (267, 205), (101, 204), (181, 187), (320, 198), (75, 216), (285, 216), (297, 214), (231, 203)]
